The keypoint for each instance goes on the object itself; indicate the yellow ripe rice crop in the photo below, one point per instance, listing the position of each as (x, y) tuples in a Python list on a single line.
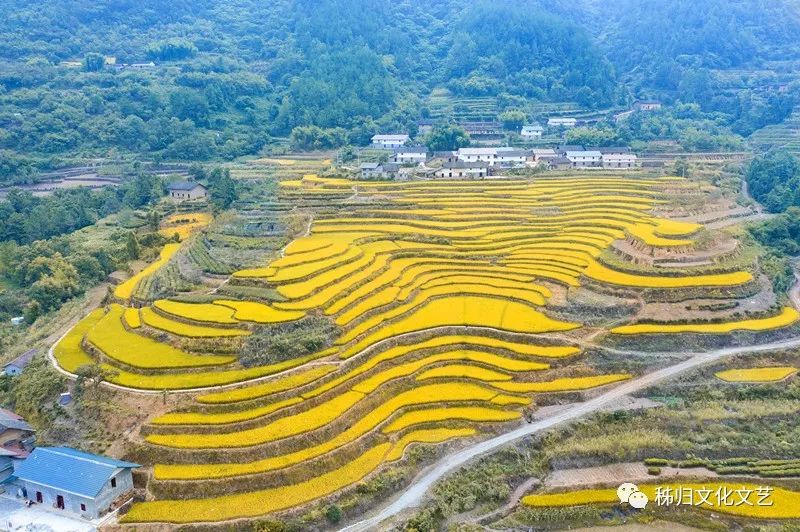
[(462, 413), (464, 371), (324, 414), (204, 312), (309, 269), (402, 370), (157, 321), (424, 296), (561, 385), (258, 312), (670, 228), (132, 318), (256, 391), (424, 395), (125, 289), (787, 317), (600, 273), (305, 421), (70, 356), (646, 233), (114, 341), (781, 503), (199, 418), (184, 224), (766, 374), (475, 341), (261, 502), (68, 351), (466, 310), (200, 379), (426, 436)]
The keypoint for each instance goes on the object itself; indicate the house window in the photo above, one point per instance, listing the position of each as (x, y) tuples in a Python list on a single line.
[(113, 482), (83, 507)]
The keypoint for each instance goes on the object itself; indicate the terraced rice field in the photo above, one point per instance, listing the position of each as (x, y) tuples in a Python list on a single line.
[(780, 504), (766, 374), (440, 291), (785, 135), (786, 317), (184, 225)]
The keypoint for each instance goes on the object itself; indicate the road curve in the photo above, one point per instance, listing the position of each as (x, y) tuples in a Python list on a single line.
[(416, 491)]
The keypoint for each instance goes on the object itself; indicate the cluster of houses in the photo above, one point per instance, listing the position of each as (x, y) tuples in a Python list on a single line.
[(480, 162), (60, 479)]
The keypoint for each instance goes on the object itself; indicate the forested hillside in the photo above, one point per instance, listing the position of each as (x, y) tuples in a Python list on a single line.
[(228, 77)]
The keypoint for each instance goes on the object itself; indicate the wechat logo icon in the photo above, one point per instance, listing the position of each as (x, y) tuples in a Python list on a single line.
[(629, 493)]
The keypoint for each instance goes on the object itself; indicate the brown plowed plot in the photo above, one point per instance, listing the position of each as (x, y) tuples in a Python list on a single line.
[(615, 474)]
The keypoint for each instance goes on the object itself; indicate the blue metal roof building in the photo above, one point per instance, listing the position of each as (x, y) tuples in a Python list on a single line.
[(70, 480)]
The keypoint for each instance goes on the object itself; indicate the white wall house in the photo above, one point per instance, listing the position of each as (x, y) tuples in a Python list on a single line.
[(477, 155), (511, 157), (585, 159), (463, 170), (531, 131), (562, 122), (410, 155), (619, 160), (389, 141)]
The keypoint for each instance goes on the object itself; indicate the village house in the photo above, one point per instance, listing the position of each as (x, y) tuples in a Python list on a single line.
[(65, 479), (15, 433), (619, 160), (614, 149), (558, 163), (647, 105), (446, 156), (510, 157), (562, 122), (15, 367), (389, 141), (531, 131), (424, 127), (564, 148), (585, 158), (540, 154), (462, 170), (17, 438), (187, 191), (477, 155), (410, 155), (379, 171)]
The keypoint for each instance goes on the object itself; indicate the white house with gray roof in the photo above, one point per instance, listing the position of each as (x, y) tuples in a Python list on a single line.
[(393, 140)]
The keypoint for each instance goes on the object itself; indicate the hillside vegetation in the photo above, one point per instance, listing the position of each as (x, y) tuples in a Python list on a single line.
[(228, 78)]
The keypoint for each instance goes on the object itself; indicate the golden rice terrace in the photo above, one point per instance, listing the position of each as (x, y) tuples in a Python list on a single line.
[(451, 302)]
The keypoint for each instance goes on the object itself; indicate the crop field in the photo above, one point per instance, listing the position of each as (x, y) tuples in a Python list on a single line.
[(184, 225), (439, 294), (766, 374), (786, 317), (785, 135), (784, 503)]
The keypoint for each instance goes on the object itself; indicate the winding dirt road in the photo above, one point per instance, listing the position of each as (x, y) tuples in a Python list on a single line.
[(414, 494)]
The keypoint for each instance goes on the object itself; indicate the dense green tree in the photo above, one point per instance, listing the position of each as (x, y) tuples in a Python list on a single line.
[(445, 137), (774, 180), (93, 62), (132, 246), (513, 119)]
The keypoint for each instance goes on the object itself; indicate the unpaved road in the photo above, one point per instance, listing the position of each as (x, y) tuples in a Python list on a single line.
[(414, 494)]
